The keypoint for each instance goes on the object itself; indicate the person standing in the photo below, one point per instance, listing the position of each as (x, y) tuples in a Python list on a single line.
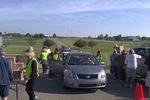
[(99, 57), (44, 56), (147, 82), (6, 75), (121, 74), (113, 67), (56, 54), (31, 73), (131, 64)]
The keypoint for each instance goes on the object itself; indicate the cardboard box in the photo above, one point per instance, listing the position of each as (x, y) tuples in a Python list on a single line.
[(18, 66), (18, 75), (120, 49), (12, 61)]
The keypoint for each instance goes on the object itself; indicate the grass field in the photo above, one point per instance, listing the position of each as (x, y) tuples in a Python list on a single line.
[(17, 45)]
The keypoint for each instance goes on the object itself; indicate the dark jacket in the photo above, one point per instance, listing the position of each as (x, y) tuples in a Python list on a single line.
[(147, 62), (6, 75)]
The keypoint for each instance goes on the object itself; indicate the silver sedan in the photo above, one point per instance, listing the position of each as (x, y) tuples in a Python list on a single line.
[(82, 70)]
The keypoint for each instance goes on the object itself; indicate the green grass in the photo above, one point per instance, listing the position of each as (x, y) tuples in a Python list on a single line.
[(18, 45)]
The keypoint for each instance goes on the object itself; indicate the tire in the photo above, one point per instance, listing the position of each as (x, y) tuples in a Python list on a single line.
[(50, 74)]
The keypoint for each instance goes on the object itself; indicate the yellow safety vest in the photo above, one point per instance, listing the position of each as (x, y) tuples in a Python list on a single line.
[(100, 59), (44, 56), (55, 56), (29, 68)]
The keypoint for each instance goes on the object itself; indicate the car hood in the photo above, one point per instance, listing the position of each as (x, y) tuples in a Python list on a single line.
[(85, 69)]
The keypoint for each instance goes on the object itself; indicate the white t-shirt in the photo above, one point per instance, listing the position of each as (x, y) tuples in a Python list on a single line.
[(131, 60)]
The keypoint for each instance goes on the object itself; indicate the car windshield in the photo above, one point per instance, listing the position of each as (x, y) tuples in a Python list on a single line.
[(82, 60)]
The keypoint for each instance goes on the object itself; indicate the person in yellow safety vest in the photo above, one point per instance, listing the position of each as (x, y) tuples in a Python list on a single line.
[(113, 49), (99, 57), (44, 56), (32, 73), (48, 51), (56, 54)]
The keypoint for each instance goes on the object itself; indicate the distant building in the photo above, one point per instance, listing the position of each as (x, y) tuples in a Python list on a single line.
[(131, 38)]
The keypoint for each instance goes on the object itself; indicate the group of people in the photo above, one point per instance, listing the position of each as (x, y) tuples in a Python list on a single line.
[(47, 54), (6, 74), (124, 65)]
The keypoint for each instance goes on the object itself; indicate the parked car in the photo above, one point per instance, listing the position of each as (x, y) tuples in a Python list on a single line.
[(142, 68), (81, 70)]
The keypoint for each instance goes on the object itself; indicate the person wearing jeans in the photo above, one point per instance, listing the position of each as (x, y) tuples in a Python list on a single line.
[(131, 64)]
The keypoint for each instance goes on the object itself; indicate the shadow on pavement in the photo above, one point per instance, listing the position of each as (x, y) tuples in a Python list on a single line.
[(55, 86), (114, 87)]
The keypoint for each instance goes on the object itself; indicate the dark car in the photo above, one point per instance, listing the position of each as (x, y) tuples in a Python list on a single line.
[(142, 68)]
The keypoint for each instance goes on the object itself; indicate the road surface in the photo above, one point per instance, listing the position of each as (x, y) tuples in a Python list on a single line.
[(52, 89), (58, 42)]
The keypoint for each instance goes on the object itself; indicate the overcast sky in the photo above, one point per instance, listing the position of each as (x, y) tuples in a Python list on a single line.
[(76, 17)]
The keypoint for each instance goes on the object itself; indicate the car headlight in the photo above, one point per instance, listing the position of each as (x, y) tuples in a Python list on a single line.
[(102, 74), (69, 73)]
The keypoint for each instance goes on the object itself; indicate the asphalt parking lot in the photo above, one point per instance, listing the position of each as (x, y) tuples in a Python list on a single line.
[(52, 89)]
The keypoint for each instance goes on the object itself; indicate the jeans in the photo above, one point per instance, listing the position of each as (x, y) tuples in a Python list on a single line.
[(44, 66), (113, 70)]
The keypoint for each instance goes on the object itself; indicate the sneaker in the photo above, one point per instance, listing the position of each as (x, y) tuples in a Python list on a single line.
[(36, 97)]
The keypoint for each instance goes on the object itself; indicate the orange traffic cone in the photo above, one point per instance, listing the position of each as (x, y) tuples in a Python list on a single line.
[(141, 93), (136, 93)]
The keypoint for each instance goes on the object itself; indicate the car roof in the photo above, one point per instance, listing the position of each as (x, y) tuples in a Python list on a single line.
[(79, 53), (141, 48)]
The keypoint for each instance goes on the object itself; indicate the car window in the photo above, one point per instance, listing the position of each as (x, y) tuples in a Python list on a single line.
[(82, 60)]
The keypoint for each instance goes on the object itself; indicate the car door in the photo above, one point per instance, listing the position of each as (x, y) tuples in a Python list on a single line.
[(57, 66)]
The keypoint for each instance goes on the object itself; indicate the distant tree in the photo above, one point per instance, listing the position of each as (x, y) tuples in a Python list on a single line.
[(80, 43), (36, 36), (92, 43), (41, 35), (144, 38), (1, 33), (54, 35), (28, 35), (89, 37), (48, 43), (100, 36), (106, 37), (138, 37), (118, 37)]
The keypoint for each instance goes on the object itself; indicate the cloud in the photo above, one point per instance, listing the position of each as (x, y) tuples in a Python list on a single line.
[(75, 12), (52, 7)]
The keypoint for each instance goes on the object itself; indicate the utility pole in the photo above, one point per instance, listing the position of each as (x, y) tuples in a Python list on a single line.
[(1, 39)]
